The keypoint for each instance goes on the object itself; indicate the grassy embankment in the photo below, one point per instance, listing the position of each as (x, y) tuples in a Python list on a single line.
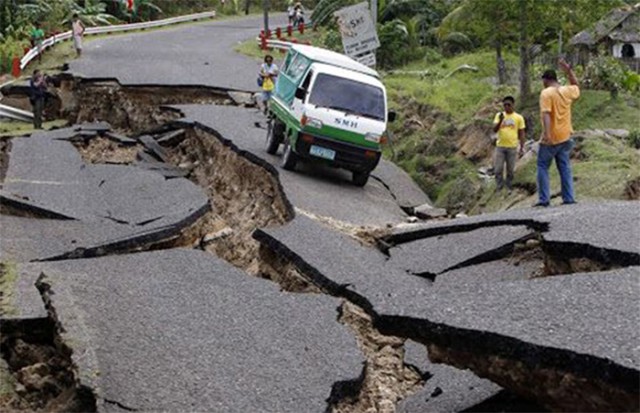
[(443, 135), (443, 132)]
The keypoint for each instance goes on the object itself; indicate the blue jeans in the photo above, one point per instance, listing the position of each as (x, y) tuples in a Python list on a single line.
[(559, 152)]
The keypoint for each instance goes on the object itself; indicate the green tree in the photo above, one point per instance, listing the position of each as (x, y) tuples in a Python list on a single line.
[(491, 22)]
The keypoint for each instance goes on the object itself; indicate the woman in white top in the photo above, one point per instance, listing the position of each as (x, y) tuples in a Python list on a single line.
[(77, 29)]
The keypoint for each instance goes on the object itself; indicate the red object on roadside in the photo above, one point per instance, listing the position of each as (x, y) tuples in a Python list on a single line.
[(15, 67), (263, 43), (301, 28), (289, 30), (294, 40), (262, 33), (269, 33), (279, 33)]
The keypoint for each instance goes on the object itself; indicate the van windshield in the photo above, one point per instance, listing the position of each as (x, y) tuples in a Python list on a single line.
[(348, 95)]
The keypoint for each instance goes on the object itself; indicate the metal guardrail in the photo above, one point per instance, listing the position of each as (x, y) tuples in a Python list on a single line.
[(278, 44), (16, 114), (33, 53)]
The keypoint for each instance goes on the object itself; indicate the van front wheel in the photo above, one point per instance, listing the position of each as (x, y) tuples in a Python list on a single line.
[(360, 178), (274, 136), (289, 158)]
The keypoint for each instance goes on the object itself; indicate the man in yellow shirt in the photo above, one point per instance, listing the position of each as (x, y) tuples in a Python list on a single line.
[(555, 141), (509, 126)]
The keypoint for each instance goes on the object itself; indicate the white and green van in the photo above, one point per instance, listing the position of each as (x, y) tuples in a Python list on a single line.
[(327, 107)]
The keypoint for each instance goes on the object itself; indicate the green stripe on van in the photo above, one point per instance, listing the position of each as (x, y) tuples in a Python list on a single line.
[(325, 131)]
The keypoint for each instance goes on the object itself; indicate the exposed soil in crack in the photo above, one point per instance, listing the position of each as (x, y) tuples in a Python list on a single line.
[(244, 196), (104, 150), (42, 374), (5, 148), (281, 271), (632, 189), (367, 236), (131, 108), (547, 384), (387, 379)]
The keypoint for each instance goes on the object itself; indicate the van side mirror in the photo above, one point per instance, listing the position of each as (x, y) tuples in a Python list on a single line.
[(301, 93), (391, 116)]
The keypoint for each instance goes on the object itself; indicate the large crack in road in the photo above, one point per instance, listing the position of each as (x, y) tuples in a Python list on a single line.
[(253, 216), (244, 193)]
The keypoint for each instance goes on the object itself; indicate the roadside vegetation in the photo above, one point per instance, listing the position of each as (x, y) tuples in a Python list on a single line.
[(448, 64)]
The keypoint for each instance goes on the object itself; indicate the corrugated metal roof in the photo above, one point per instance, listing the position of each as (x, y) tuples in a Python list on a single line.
[(609, 26)]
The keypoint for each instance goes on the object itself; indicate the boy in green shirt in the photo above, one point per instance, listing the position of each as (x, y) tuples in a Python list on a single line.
[(37, 37)]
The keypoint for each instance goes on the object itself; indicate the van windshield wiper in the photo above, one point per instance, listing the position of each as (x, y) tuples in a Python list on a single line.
[(345, 110)]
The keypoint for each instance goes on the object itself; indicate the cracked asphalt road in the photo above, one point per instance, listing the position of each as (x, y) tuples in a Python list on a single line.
[(323, 191), (157, 330)]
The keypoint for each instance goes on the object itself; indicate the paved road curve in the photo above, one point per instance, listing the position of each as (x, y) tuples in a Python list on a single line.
[(197, 54)]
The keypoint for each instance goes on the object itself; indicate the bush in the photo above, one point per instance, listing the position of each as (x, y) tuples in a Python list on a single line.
[(395, 45), (455, 43), (634, 138), (459, 194), (432, 56), (332, 41), (632, 82), (605, 73)]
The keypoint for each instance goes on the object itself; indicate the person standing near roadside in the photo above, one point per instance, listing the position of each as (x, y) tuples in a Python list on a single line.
[(510, 127), (37, 93), (37, 38), (77, 28), (268, 74), (555, 141)]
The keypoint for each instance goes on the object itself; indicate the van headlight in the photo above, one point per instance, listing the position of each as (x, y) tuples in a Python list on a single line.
[(372, 137)]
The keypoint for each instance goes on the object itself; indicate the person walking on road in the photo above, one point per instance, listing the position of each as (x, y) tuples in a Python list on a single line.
[(77, 28), (37, 38), (37, 93), (509, 126), (555, 141), (268, 74), (291, 13)]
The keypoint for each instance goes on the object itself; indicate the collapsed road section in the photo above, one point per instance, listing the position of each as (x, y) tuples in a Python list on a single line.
[(166, 328), (567, 341)]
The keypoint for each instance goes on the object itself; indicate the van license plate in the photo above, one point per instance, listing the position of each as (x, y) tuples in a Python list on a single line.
[(321, 152)]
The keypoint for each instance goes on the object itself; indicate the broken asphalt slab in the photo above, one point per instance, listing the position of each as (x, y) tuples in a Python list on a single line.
[(610, 225), (581, 327), (569, 342), (338, 264), (182, 330), (50, 174), (313, 188), (434, 255), (27, 239), (448, 389)]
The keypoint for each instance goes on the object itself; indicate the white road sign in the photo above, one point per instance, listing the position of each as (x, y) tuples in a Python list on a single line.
[(357, 29), (368, 59)]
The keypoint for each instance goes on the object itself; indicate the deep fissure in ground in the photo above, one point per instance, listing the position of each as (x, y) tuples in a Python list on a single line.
[(36, 370), (243, 198)]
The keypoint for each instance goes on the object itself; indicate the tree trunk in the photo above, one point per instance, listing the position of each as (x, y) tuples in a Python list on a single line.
[(502, 70), (525, 86), (247, 6)]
